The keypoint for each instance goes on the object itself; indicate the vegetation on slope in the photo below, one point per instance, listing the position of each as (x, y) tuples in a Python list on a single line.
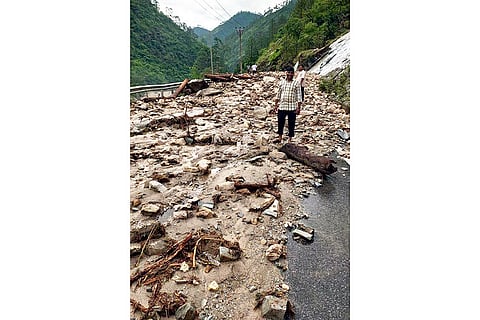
[(312, 24), (256, 37), (227, 28), (160, 50), (337, 85)]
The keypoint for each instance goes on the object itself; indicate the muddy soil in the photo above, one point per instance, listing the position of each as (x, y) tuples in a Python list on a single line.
[(185, 155)]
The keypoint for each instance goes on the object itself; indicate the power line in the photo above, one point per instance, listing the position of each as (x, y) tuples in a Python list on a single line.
[(216, 14), (214, 10), (231, 17), (207, 11)]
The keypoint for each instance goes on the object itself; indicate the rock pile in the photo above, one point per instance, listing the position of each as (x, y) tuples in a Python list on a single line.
[(205, 164)]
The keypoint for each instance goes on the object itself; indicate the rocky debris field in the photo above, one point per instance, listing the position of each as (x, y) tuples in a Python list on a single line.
[(213, 198)]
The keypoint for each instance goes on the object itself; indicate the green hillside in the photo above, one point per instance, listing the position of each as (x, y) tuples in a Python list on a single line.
[(160, 50), (256, 37), (227, 28), (313, 24), (163, 51), (201, 33)]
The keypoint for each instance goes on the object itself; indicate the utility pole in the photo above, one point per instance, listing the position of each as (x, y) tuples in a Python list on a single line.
[(211, 59), (251, 49), (240, 31), (211, 54)]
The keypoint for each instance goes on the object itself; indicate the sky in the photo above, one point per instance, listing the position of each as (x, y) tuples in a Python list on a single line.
[(209, 14)]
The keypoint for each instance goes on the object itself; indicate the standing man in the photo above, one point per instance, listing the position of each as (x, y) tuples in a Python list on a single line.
[(254, 69), (287, 103), (301, 80)]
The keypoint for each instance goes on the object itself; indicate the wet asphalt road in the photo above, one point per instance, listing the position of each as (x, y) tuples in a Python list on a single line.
[(319, 273)]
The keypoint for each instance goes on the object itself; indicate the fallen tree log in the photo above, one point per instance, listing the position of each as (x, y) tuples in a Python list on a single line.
[(269, 187), (227, 76), (240, 184), (180, 88), (252, 187), (243, 76), (301, 154), (220, 76)]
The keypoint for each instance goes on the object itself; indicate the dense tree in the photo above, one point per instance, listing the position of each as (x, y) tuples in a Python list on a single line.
[(218, 53)]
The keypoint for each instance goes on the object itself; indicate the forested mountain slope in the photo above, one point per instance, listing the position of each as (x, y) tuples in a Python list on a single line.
[(163, 51), (160, 50), (226, 29), (313, 24), (201, 32), (256, 37)]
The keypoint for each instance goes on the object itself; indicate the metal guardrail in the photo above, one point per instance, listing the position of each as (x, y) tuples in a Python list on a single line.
[(155, 87)]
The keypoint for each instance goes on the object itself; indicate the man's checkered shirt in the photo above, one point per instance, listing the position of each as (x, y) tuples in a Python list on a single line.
[(289, 94)]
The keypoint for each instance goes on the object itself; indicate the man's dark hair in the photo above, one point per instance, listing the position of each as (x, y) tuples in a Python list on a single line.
[(289, 69)]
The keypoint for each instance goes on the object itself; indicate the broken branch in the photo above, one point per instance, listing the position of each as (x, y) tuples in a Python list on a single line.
[(145, 244), (149, 269), (137, 305)]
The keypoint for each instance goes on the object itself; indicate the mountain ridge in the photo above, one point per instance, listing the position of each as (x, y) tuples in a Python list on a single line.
[(241, 19)]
